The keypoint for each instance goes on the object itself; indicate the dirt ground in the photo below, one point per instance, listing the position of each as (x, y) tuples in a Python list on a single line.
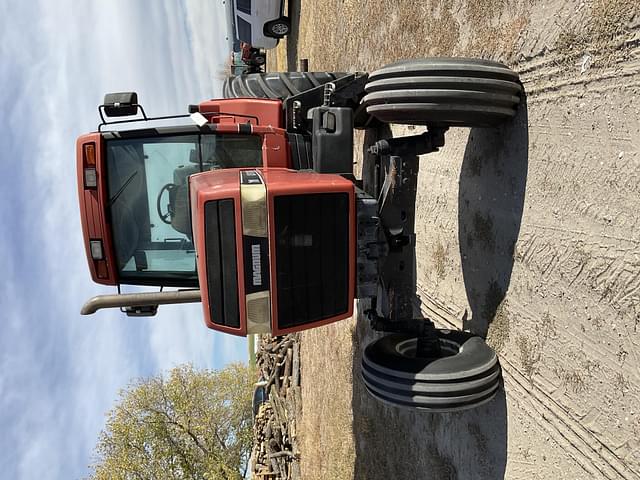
[(528, 234)]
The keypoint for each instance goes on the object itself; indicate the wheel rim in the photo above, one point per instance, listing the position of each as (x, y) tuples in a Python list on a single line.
[(280, 28), (408, 348)]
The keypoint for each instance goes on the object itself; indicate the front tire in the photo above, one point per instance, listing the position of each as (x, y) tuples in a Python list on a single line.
[(466, 375), (443, 92)]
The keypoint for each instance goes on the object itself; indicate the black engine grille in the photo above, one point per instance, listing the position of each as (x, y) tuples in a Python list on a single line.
[(222, 266), (312, 257)]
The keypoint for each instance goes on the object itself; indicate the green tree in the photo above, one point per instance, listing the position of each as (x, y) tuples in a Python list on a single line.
[(190, 424)]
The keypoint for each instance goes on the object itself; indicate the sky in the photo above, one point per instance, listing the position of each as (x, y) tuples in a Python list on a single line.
[(61, 372)]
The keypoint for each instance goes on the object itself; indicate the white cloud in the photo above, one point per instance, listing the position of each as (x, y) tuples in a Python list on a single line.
[(60, 372)]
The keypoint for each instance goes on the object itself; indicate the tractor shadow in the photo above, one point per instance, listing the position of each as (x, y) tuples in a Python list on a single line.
[(491, 197), (392, 442)]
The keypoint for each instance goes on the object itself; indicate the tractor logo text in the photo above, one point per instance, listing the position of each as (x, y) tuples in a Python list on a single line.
[(257, 269)]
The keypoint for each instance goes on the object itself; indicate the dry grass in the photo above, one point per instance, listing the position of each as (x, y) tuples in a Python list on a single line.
[(367, 34), (601, 34), (327, 446), (573, 379), (499, 328), (578, 374), (621, 383), (610, 18), (489, 35), (531, 350), (546, 328), (530, 354)]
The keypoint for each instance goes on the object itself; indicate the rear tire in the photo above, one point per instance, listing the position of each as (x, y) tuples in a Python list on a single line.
[(443, 92), (466, 375), (275, 85)]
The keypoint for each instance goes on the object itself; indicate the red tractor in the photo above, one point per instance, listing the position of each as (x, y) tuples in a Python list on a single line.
[(250, 205)]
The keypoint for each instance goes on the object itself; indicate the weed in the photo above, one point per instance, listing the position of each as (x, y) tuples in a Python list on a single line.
[(622, 354), (530, 355), (608, 21), (577, 377), (439, 259), (621, 383), (597, 322), (546, 328), (498, 333), (573, 379)]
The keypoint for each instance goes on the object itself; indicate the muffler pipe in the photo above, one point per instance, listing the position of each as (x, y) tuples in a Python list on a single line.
[(123, 300)]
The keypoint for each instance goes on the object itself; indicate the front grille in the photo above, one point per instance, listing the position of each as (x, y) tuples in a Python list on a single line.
[(222, 266), (312, 257)]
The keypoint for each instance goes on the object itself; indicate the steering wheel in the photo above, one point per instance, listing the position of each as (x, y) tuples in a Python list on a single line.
[(166, 217)]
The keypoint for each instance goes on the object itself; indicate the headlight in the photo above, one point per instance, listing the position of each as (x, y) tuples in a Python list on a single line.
[(89, 165), (96, 249), (90, 178), (253, 196), (258, 312)]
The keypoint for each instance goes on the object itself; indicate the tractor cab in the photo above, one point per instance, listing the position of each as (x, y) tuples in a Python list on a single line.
[(147, 198), (133, 187)]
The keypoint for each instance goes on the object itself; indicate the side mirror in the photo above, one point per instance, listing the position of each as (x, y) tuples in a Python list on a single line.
[(122, 104)]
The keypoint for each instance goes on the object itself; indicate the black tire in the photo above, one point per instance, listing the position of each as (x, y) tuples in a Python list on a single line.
[(279, 28), (466, 376), (258, 60), (275, 85), (443, 92)]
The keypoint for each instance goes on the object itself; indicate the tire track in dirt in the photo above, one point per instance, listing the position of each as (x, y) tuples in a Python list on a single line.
[(551, 74), (557, 379), (594, 456), (614, 273)]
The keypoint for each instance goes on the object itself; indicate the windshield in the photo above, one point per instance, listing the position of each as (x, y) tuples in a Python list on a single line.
[(149, 205)]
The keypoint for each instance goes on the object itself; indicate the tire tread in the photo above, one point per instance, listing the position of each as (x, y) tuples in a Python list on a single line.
[(443, 92), (275, 85)]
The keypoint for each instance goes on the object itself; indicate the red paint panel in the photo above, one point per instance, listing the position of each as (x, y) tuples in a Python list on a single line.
[(92, 215), (222, 184), (257, 111)]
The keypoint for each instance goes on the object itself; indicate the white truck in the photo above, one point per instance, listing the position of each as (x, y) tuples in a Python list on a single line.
[(260, 23)]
